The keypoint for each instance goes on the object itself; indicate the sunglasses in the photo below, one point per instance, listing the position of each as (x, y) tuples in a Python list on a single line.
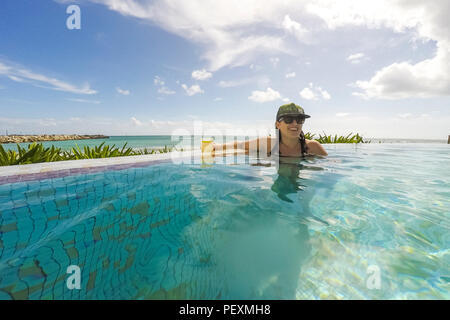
[(290, 119)]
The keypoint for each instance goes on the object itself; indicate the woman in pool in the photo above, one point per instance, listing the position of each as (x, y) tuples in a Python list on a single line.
[(291, 141)]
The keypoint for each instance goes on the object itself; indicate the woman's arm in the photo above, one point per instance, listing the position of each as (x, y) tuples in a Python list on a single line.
[(250, 145), (228, 146)]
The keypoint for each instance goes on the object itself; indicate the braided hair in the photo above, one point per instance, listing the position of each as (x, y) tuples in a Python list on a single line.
[(303, 146)]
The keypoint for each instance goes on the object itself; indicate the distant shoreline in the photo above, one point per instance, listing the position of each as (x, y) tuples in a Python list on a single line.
[(48, 137)]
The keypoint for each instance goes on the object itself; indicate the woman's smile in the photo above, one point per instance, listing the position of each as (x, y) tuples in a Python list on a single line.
[(293, 129)]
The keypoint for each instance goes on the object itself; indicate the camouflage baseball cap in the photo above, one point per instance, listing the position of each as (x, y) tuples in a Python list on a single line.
[(291, 109)]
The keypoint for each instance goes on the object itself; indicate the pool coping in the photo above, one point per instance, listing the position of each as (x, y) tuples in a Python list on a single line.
[(58, 169)]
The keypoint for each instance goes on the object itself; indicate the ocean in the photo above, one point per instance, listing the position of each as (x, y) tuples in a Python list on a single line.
[(159, 141)]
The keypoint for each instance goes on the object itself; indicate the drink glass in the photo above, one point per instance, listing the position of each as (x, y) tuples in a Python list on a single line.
[(207, 145)]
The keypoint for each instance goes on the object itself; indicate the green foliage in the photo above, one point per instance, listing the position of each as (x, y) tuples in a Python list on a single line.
[(153, 151), (35, 153), (309, 136), (356, 138), (100, 151), (145, 151)]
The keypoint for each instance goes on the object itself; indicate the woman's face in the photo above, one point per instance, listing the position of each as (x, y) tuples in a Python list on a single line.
[(292, 129)]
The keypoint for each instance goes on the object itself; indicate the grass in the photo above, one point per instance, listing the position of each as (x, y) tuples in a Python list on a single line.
[(36, 153)]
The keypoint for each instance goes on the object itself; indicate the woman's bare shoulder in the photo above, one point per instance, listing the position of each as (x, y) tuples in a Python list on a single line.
[(315, 147)]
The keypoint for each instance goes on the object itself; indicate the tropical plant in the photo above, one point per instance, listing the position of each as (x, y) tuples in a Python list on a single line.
[(100, 151), (34, 153), (356, 138), (309, 136)]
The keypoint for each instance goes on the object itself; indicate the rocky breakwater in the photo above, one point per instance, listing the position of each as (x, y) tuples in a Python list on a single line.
[(48, 137)]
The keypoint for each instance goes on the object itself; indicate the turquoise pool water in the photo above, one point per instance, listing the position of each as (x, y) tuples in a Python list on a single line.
[(303, 229)]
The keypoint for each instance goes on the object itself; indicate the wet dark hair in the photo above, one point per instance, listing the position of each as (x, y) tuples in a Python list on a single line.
[(301, 138)]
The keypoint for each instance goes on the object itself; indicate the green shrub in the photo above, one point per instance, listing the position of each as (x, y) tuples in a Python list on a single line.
[(33, 154), (99, 151), (356, 138), (36, 153)]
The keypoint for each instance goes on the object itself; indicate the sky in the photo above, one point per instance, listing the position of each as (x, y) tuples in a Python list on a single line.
[(141, 67)]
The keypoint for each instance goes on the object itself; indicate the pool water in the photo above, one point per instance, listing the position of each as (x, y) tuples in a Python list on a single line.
[(303, 229)]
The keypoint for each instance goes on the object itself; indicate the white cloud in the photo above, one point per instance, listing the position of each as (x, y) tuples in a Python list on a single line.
[(314, 93), (342, 114), (290, 75), (234, 83), (275, 61), (162, 88), (261, 81), (165, 90), (380, 126), (135, 121), (255, 67), (20, 74), (201, 74), (218, 99), (265, 96), (17, 79), (427, 19), (123, 92), (158, 81), (359, 94), (294, 28), (308, 94), (36, 125), (355, 58), (228, 30), (192, 90), (425, 79), (84, 101), (234, 32), (325, 94), (405, 115)]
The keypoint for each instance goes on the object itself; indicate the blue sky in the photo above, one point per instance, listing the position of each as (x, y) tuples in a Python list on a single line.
[(152, 67)]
